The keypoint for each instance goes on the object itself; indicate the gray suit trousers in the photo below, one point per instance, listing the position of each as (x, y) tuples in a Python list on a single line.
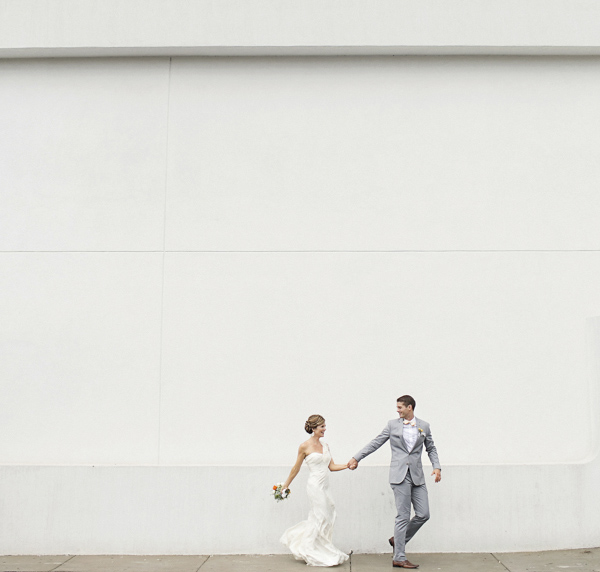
[(405, 528)]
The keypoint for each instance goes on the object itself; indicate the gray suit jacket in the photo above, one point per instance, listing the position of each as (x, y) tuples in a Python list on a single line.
[(402, 458)]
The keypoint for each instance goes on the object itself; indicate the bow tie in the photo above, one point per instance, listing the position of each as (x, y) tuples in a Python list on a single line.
[(411, 422)]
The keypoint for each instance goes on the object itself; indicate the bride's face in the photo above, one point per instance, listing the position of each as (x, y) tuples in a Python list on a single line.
[(320, 431)]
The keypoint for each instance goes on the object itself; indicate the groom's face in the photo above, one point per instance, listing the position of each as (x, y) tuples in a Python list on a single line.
[(403, 411)]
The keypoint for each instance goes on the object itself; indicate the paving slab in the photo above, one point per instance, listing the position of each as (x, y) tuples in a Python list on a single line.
[(587, 559), (133, 564), (31, 563), (271, 563), (430, 562)]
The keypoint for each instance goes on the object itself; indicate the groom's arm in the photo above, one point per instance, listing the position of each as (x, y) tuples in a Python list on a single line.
[(374, 444), (432, 451)]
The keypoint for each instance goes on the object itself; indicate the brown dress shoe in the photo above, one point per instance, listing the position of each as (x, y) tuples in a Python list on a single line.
[(404, 564), (391, 541)]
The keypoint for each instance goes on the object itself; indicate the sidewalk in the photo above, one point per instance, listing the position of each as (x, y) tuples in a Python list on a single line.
[(555, 561)]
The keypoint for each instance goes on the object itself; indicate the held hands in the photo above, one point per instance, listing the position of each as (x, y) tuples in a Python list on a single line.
[(352, 464), (438, 475)]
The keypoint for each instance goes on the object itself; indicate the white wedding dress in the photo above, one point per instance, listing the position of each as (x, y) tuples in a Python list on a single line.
[(310, 540)]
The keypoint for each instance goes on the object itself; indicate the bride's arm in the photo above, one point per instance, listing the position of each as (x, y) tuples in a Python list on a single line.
[(334, 467), (296, 468)]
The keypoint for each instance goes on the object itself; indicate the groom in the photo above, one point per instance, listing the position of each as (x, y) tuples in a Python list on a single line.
[(407, 437)]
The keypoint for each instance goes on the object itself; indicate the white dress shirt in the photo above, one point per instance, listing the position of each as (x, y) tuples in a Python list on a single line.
[(409, 433)]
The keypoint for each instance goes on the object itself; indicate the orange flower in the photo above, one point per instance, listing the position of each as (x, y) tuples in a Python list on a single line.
[(274, 487)]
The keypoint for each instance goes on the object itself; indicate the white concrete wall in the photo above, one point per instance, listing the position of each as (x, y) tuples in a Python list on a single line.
[(196, 254), (74, 28)]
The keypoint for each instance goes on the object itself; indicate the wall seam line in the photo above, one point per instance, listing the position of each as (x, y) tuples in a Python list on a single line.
[(163, 251), (162, 287)]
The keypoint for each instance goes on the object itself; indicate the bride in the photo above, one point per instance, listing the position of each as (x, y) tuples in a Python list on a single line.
[(310, 540)]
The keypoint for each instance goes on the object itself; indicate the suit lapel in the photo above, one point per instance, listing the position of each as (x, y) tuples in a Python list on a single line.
[(419, 433), (402, 442)]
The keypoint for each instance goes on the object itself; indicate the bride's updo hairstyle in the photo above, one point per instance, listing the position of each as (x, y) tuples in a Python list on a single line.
[(313, 422)]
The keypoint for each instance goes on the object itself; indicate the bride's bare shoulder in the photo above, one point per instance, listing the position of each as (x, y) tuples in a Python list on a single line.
[(304, 446)]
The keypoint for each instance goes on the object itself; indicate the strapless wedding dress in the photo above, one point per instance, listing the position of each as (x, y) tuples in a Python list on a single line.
[(310, 540)]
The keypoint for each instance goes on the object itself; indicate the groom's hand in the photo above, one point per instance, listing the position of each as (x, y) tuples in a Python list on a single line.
[(438, 475), (352, 464)]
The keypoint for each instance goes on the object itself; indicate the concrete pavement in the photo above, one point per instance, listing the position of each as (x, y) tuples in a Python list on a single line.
[(587, 560)]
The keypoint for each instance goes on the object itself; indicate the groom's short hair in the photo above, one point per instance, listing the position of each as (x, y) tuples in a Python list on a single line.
[(407, 400)]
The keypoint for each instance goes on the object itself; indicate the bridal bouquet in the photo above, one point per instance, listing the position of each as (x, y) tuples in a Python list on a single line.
[(279, 493)]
